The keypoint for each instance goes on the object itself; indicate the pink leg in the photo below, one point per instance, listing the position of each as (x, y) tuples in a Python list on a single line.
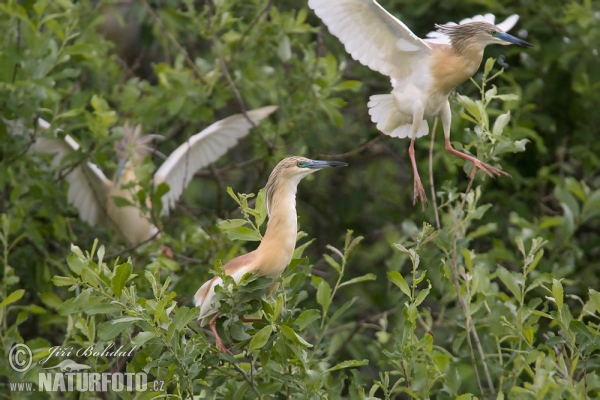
[(488, 169), (419, 191), (220, 347)]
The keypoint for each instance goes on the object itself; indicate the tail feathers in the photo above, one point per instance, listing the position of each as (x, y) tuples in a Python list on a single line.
[(389, 120)]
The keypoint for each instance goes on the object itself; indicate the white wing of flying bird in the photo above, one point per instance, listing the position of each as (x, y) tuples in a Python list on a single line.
[(373, 36), (87, 184), (506, 25), (202, 149)]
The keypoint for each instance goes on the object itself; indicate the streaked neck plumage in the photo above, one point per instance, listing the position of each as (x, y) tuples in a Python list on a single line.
[(277, 246)]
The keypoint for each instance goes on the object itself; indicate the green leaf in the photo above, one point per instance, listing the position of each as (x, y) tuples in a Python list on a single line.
[(261, 338), (595, 297), (398, 280), (13, 297), (507, 97), (510, 281), (51, 299), (535, 261), (142, 338), (76, 263), (111, 329), (243, 233), (182, 317), (64, 280), (122, 201), (338, 313), (489, 64), (558, 293), (306, 318), (332, 262), (422, 294), (348, 364), (364, 278), (120, 277), (293, 336), (260, 207), (231, 224), (324, 294)]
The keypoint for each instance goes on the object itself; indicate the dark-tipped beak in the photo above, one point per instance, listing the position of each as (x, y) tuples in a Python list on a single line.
[(514, 40), (317, 164)]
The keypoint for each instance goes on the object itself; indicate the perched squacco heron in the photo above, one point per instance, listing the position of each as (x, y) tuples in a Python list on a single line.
[(422, 72), (277, 246), (92, 193)]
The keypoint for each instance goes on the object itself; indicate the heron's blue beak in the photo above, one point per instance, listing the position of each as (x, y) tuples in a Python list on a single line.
[(317, 164), (511, 39)]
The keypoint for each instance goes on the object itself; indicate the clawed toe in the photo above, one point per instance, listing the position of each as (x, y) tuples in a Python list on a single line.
[(492, 172), (419, 194)]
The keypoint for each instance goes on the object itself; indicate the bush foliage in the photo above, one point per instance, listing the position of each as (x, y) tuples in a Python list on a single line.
[(492, 292)]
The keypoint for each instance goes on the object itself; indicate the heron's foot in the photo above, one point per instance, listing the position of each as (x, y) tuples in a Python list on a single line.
[(419, 193), (221, 348), (492, 172)]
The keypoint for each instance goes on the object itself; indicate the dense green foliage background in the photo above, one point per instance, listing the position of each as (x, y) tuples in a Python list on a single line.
[(499, 301)]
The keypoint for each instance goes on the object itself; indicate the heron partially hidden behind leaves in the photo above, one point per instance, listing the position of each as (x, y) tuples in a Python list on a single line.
[(277, 246), (423, 72), (95, 196)]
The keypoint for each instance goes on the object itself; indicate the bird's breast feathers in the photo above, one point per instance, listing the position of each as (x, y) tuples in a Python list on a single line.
[(449, 69)]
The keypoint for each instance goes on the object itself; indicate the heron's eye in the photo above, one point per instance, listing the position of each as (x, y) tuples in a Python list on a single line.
[(299, 164)]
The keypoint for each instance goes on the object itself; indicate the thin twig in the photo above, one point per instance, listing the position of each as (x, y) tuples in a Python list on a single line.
[(227, 168), (236, 92), (461, 301), (431, 183), (174, 41), (133, 247), (249, 28), (355, 151), (248, 380)]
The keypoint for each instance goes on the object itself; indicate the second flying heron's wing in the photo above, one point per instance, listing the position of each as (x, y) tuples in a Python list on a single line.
[(202, 149), (372, 35), (87, 184)]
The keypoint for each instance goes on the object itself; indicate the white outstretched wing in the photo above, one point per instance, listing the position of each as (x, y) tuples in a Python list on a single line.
[(506, 25), (87, 184), (372, 35), (202, 149)]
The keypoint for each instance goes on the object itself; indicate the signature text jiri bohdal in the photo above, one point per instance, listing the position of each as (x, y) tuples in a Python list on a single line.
[(91, 351)]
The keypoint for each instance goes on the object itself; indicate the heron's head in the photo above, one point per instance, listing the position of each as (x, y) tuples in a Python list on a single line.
[(291, 170), (134, 146), (478, 34)]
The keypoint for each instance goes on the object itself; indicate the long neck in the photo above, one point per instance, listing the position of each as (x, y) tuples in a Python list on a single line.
[(277, 246)]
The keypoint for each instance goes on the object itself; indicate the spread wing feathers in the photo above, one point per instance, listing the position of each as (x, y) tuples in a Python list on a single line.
[(506, 25), (202, 149), (87, 184), (372, 35)]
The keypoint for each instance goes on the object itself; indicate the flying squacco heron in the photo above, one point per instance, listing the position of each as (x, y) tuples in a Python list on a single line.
[(423, 72), (92, 193), (277, 246)]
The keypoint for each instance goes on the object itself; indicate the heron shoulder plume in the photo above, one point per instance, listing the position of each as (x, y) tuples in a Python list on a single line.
[(461, 36)]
